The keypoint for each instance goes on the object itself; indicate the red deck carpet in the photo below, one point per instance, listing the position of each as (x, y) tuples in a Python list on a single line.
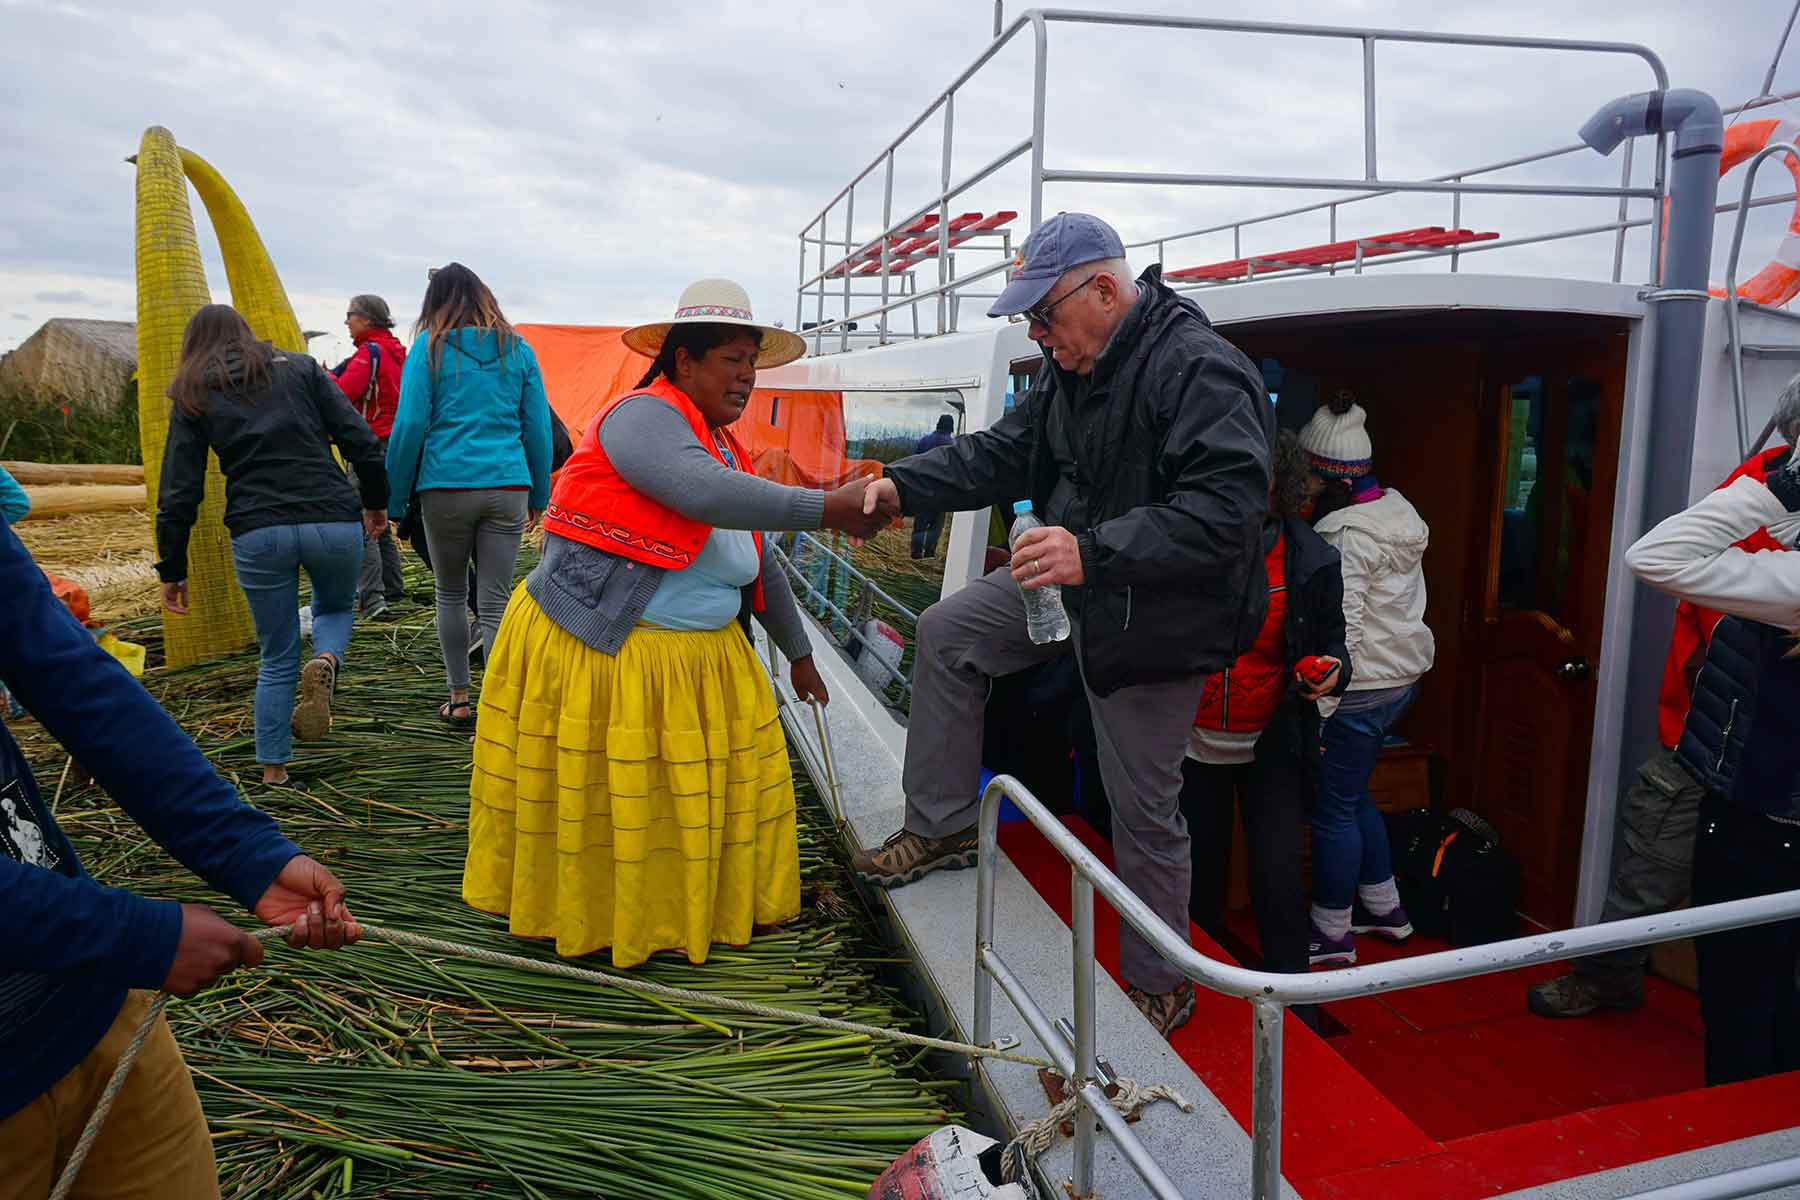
[(1454, 1090)]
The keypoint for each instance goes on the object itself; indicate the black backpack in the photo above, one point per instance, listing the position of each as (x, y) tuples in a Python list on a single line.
[(1455, 880)]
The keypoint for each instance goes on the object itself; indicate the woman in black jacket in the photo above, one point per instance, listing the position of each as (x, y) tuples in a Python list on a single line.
[(272, 418), (1256, 735)]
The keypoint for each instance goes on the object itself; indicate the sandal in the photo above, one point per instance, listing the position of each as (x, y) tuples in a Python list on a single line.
[(447, 713)]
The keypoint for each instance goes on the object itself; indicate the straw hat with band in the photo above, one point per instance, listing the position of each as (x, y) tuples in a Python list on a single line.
[(717, 302)]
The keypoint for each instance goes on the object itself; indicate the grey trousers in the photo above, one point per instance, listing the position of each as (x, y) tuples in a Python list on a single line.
[(979, 633), (486, 524), (1653, 868), (381, 579)]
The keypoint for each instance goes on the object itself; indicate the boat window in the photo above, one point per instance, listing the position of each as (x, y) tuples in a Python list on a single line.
[(1549, 473), (869, 597)]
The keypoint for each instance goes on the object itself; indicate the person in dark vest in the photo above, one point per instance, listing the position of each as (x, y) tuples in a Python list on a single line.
[(1653, 867), (928, 525), (1742, 742)]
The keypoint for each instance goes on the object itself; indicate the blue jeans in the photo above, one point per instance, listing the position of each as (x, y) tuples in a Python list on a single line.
[(1350, 844), (268, 563)]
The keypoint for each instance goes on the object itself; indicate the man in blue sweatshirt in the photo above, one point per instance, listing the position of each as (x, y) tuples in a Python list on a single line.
[(79, 961)]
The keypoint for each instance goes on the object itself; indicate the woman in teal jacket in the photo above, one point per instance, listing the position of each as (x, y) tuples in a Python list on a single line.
[(471, 448)]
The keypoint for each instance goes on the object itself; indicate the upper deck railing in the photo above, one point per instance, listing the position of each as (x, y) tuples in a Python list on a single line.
[(826, 278)]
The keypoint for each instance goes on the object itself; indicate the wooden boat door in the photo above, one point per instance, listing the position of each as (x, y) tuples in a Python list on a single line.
[(1552, 414)]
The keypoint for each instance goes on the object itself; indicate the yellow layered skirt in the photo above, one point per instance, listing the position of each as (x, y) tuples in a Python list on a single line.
[(641, 801)]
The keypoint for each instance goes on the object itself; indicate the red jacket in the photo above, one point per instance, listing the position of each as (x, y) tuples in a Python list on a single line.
[(595, 505), (353, 377), (1694, 625), (1244, 696)]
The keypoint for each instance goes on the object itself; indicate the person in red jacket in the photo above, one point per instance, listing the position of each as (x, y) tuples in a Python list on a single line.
[(371, 378), (1255, 741), (1660, 813)]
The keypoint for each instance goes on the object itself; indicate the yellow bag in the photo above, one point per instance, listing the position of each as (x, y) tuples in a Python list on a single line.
[(129, 653)]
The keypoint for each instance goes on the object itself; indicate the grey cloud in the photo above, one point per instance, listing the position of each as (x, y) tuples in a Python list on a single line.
[(71, 296), (589, 167), (21, 316)]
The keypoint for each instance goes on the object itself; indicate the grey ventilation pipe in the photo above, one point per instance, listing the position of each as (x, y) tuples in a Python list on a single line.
[(1678, 328)]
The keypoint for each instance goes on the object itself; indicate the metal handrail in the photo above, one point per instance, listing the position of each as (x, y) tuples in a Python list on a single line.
[(1733, 332), (1039, 20), (1475, 247), (1269, 993), (1486, 169), (812, 592), (1746, 1181)]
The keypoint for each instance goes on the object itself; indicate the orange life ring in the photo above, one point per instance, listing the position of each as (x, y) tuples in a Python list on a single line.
[(1779, 281)]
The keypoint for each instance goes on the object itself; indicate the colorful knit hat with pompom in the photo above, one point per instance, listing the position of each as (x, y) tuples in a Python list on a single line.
[(1335, 441)]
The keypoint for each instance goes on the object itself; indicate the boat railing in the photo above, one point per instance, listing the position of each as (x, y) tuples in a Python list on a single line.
[(829, 278), (1269, 994), (1734, 303), (844, 620)]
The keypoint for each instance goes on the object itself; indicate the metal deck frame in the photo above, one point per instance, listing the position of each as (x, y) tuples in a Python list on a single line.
[(1270, 994)]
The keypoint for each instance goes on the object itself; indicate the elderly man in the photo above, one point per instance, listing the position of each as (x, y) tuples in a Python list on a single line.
[(1144, 447)]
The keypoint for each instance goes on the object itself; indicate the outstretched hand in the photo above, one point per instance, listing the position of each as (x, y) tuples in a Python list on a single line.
[(308, 897)]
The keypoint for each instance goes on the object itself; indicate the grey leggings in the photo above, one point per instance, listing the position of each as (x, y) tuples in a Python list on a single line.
[(486, 524)]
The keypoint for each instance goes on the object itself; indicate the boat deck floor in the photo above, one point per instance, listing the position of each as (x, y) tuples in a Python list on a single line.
[(1453, 1090)]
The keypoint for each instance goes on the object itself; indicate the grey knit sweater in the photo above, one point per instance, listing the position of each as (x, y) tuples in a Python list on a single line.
[(599, 597)]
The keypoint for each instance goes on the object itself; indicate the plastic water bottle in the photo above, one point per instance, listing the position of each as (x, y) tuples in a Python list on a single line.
[(1045, 619)]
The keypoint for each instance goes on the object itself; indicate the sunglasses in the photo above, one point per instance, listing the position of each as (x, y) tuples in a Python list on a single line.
[(1040, 315)]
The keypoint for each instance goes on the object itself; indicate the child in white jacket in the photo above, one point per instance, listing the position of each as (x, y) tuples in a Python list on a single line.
[(1742, 741), (1382, 541)]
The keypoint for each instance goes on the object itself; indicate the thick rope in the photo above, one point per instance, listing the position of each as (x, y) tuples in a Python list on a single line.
[(1032, 1141), (1042, 1133), (417, 941), (104, 1106)]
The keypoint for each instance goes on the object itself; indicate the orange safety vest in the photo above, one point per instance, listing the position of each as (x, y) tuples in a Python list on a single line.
[(595, 505)]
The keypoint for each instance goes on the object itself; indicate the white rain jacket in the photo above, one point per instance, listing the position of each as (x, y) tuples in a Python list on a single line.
[(1382, 544), (1690, 555)]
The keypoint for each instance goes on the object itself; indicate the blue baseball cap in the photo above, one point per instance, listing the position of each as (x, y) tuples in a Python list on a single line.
[(1064, 241)]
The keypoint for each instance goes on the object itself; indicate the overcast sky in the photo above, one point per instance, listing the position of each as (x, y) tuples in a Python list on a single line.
[(590, 159)]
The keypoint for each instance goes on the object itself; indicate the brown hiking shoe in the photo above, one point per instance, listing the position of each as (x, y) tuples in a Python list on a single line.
[(1168, 1011), (907, 856), (312, 716), (1575, 995)]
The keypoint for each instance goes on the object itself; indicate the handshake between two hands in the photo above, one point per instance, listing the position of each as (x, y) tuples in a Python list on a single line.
[(1042, 556), (862, 508)]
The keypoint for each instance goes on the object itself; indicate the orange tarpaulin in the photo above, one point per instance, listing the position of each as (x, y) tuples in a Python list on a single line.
[(796, 438), (584, 366)]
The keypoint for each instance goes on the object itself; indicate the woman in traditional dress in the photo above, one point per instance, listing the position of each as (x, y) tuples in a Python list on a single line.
[(631, 786)]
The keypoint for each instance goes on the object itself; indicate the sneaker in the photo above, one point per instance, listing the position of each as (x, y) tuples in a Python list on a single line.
[(378, 609), (1390, 925), (906, 857), (290, 784), (1168, 1011), (1328, 952), (312, 716), (1575, 995)]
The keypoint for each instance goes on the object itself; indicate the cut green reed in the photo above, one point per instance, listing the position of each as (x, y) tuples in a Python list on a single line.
[(384, 1073)]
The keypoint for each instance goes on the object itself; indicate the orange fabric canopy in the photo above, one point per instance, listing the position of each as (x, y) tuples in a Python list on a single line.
[(584, 366)]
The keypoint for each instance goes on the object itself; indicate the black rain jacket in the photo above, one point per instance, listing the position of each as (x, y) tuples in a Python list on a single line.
[(1170, 447)]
